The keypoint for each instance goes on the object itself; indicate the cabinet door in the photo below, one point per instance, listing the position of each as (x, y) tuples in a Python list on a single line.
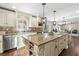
[(41, 50), (7, 18), (60, 45), (56, 47), (11, 19), (2, 18), (52, 48), (47, 50), (33, 22)]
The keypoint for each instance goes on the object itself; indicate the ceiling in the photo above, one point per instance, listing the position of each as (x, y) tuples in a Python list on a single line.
[(67, 10)]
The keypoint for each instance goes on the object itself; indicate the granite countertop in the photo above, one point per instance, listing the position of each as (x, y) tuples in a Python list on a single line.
[(2, 32), (5, 33), (39, 39)]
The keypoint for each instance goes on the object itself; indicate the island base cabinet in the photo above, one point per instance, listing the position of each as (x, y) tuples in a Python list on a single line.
[(60, 45), (47, 49), (51, 48), (56, 51), (41, 50)]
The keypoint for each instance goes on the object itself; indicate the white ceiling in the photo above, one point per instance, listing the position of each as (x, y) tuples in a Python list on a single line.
[(67, 10)]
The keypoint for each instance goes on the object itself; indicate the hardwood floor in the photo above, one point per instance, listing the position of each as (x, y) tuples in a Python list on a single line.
[(14, 52), (73, 49)]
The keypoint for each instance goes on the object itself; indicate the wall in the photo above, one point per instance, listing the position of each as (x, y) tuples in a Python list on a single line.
[(74, 26)]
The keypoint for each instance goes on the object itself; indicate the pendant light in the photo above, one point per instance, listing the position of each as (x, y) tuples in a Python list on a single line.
[(44, 19), (54, 22), (64, 22)]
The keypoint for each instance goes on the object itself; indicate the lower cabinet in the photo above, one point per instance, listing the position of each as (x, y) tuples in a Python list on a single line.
[(52, 48), (47, 49), (41, 50), (56, 49)]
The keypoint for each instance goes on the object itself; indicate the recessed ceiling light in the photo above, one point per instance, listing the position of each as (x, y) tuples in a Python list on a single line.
[(13, 7)]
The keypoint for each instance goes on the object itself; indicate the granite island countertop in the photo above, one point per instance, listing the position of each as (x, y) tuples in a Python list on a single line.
[(39, 39)]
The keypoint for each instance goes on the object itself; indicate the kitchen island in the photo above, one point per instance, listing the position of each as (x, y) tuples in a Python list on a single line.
[(46, 45)]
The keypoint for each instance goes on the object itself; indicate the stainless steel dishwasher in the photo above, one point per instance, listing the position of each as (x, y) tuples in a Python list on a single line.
[(9, 42)]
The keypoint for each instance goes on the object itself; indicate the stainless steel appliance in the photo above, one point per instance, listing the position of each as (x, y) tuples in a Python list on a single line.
[(9, 42)]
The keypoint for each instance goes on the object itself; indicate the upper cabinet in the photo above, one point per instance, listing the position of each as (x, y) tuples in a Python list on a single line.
[(34, 21), (11, 19), (22, 16), (7, 18), (2, 18), (31, 21)]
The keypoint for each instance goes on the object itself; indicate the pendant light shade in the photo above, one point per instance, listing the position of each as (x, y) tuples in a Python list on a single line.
[(44, 19), (43, 9), (54, 22)]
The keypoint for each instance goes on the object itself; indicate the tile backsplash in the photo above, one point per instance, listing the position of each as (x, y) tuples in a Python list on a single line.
[(8, 29)]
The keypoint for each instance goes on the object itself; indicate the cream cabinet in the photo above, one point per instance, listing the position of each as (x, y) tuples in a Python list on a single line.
[(34, 21), (47, 49), (11, 19), (41, 50), (52, 48), (2, 18), (7, 18), (56, 47)]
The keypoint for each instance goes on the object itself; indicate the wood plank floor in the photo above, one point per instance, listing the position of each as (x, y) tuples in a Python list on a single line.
[(73, 49), (14, 52)]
